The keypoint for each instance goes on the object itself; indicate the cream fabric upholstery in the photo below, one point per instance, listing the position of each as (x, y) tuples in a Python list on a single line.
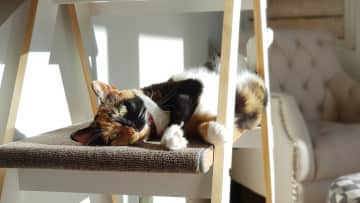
[(347, 98), (336, 148), (294, 129), (310, 148), (301, 64)]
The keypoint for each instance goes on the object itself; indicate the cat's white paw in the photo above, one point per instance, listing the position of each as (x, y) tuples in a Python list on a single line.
[(216, 133), (173, 138)]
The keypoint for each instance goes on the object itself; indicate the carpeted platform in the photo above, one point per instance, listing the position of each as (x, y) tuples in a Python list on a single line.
[(55, 150)]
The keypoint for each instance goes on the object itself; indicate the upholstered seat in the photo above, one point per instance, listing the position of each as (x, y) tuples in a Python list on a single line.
[(56, 150), (336, 148)]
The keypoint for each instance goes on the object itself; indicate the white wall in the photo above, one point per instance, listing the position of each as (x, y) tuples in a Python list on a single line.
[(65, 101), (54, 94), (147, 49)]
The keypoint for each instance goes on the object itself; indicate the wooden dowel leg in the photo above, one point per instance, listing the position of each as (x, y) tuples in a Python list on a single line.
[(115, 199), (82, 53), (226, 100), (263, 70), (15, 99)]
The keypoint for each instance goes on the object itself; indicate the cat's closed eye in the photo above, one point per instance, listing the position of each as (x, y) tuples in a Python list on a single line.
[(122, 110)]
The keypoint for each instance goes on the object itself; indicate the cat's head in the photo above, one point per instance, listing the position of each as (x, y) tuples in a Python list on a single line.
[(120, 119)]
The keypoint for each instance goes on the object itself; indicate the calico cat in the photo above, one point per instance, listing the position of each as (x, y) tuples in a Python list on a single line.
[(171, 111)]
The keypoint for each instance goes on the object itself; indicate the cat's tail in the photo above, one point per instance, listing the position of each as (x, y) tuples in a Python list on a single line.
[(251, 100)]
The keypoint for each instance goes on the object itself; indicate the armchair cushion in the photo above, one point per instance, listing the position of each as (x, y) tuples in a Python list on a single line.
[(336, 148)]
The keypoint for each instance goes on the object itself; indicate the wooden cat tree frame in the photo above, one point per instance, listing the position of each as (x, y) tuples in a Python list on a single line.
[(41, 19)]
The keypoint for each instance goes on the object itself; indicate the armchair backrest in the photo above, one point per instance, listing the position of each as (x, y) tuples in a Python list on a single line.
[(301, 64)]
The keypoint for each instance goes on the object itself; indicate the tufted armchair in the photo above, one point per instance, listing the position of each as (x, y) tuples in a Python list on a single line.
[(315, 107)]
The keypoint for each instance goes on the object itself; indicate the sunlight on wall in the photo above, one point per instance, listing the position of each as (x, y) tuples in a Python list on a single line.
[(86, 200), (2, 68), (159, 58), (43, 105), (102, 60)]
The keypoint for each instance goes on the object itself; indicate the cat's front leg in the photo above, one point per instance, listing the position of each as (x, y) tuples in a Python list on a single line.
[(173, 138)]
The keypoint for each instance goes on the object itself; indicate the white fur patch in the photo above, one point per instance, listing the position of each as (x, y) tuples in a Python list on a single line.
[(209, 98), (161, 117), (173, 138), (216, 133)]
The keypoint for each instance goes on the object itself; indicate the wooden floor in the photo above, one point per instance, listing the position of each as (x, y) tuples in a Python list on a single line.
[(241, 194)]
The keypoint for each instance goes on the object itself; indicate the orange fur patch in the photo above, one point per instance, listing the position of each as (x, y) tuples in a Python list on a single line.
[(192, 127)]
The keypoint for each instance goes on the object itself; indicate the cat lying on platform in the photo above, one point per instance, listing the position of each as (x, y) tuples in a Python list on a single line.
[(172, 111)]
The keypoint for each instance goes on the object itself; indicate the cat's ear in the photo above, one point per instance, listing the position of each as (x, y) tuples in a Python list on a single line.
[(213, 61), (101, 89), (213, 50), (87, 136)]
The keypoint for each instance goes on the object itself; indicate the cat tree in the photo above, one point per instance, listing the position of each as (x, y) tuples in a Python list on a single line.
[(41, 17)]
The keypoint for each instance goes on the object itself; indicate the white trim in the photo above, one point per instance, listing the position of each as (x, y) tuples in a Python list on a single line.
[(136, 7)]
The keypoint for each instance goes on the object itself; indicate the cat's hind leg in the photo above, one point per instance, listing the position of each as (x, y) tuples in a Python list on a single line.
[(213, 132)]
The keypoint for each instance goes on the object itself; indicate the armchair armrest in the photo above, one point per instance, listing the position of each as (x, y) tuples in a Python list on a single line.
[(292, 140)]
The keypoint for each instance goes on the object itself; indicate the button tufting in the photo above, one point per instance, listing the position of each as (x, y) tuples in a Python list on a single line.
[(320, 43), (290, 64), (306, 85), (320, 107), (282, 87), (313, 62), (297, 43), (352, 91), (301, 108)]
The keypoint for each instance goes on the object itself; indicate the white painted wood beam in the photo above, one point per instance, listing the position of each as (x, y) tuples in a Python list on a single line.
[(262, 57), (131, 183), (146, 7)]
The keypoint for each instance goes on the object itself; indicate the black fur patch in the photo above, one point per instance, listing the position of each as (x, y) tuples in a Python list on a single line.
[(135, 116), (178, 97), (240, 102)]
